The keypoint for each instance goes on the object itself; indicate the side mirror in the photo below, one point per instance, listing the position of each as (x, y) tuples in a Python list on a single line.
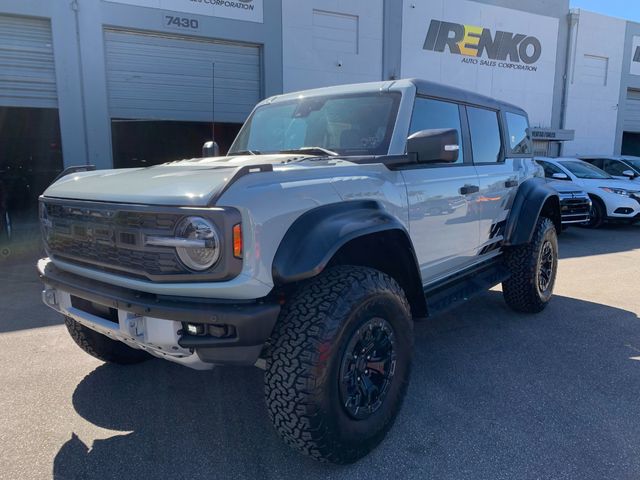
[(210, 149), (629, 173), (560, 176), (431, 146)]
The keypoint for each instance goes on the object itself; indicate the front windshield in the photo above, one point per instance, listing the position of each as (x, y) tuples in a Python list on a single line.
[(359, 124), (584, 170)]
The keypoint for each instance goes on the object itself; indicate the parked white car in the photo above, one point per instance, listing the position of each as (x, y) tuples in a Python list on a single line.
[(612, 199), (623, 167)]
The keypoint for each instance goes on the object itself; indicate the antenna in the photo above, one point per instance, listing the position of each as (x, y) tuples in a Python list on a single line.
[(211, 149)]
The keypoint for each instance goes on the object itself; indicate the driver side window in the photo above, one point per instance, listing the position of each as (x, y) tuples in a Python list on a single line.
[(550, 169), (429, 114)]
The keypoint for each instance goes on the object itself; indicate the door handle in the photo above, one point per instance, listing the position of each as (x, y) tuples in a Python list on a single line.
[(511, 183), (469, 189)]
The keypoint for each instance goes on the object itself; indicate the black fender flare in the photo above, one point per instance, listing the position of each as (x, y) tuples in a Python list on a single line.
[(315, 237), (532, 196)]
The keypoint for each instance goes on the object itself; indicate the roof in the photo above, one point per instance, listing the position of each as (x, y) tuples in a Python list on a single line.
[(423, 87), (440, 90)]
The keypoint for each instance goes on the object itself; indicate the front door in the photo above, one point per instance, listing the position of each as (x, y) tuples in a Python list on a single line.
[(443, 226)]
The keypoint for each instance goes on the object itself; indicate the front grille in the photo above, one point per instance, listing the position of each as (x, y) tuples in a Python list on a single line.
[(109, 237)]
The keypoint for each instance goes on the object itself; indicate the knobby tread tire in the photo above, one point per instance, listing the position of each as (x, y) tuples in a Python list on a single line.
[(298, 376), (520, 291), (102, 347)]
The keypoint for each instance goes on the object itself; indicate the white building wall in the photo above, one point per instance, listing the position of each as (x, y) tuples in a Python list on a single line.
[(331, 42), (595, 70), (528, 85)]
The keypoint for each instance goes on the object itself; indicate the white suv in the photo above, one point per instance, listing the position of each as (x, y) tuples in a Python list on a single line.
[(338, 217), (612, 199)]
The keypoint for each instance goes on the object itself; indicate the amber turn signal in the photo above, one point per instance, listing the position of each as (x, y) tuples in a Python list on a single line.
[(237, 241)]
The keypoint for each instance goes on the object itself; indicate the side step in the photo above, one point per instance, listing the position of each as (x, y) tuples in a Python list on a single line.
[(454, 291)]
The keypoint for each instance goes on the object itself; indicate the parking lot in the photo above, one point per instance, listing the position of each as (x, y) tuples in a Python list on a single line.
[(493, 395)]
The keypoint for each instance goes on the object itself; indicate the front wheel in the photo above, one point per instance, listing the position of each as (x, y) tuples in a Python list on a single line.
[(597, 214), (533, 270), (339, 363)]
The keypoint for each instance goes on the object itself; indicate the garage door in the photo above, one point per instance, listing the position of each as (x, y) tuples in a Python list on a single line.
[(632, 111), (27, 72), (170, 78)]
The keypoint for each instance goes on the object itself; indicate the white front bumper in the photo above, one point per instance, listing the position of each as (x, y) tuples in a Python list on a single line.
[(157, 336)]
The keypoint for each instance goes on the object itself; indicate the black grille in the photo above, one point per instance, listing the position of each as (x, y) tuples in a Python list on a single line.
[(109, 238)]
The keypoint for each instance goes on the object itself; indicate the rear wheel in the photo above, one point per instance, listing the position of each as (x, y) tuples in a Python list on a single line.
[(533, 270), (339, 363), (102, 347)]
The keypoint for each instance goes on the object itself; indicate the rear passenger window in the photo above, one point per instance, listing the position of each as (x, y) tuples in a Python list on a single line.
[(485, 135), (518, 127), (431, 114)]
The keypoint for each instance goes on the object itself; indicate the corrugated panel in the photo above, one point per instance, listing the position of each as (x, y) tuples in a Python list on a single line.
[(170, 78), (632, 111), (27, 70)]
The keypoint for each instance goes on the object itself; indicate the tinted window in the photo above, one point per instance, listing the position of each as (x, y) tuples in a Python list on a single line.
[(485, 135), (518, 127), (584, 170), (431, 114), (615, 167), (598, 162), (550, 169)]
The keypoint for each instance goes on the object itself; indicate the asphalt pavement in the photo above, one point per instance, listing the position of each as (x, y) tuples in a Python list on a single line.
[(493, 395)]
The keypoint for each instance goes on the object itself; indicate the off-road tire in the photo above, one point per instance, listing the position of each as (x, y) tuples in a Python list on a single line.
[(102, 347), (308, 345), (522, 291), (598, 214)]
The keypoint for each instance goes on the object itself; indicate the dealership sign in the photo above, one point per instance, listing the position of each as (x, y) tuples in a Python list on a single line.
[(249, 10), (473, 41), (635, 56), (500, 52)]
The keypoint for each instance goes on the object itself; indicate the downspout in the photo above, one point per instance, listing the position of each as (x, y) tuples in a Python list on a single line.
[(573, 19), (75, 7)]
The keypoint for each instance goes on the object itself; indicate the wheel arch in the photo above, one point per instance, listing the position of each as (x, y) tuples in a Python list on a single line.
[(535, 198), (357, 233)]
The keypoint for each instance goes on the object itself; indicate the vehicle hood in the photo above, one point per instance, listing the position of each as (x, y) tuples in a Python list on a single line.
[(195, 182), (563, 186), (589, 183)]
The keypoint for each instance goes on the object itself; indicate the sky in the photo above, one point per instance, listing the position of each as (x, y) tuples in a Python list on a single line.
[(627, 9)]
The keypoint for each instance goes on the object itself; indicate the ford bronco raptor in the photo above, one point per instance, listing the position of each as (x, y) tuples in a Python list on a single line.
[(339, 216)]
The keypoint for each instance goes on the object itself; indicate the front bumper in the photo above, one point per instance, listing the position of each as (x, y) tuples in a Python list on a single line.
[(157, 324)]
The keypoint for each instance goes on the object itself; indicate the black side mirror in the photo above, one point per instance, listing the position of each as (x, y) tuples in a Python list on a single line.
[(210, 149), (434, 146)]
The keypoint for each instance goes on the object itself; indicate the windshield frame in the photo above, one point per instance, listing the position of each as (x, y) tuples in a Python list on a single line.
[(382, 150), (587, 165)]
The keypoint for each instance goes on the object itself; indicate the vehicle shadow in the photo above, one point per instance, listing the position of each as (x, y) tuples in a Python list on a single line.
[(610, 238), (493, 395)]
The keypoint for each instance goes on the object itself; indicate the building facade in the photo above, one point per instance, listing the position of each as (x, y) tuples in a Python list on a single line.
[(128, 83)]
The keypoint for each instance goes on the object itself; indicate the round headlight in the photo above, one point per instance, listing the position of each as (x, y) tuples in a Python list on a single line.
[(201, 257)]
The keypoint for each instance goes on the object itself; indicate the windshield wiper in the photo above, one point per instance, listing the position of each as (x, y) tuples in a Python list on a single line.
[(245, 152), (311, 151)]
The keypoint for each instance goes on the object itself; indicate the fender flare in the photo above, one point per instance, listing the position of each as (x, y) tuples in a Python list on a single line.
[(527, 206), (315, 237)]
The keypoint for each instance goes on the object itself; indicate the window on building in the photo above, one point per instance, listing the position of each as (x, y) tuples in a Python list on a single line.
[(594, 70), (518, 127), (485, 135), (429, 114), (335, 32)]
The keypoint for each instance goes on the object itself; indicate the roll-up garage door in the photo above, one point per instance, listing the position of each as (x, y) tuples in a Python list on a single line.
[(27, 72), (632, 111), (159, 77)]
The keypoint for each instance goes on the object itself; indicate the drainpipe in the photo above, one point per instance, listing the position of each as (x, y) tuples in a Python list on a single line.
[(75, 7), (572, 18)]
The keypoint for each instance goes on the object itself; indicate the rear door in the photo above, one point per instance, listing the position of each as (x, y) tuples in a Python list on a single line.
[(499, 176), (443, 226)]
